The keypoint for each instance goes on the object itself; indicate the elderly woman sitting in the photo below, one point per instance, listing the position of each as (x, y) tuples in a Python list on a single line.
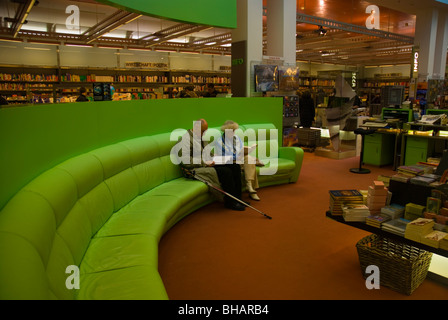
[(231, 144)]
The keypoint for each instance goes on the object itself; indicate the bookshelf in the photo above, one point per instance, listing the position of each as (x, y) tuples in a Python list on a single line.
[(22, 84), (371, 87)]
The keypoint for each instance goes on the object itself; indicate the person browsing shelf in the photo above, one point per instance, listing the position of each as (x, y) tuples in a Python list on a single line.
[(82, 95), (211, 91)]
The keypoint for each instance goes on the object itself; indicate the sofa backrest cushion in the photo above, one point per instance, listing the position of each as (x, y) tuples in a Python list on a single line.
[(48, 225)]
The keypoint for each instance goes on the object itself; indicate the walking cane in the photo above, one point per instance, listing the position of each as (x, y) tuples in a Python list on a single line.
[(191, 173)]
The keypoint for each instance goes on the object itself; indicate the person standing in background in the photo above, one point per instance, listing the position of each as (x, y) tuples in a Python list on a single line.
[(82, 95), (306, 110), (211, 91)]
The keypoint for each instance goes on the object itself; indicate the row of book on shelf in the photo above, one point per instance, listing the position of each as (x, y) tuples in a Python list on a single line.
[(68, 77), (425, 224)]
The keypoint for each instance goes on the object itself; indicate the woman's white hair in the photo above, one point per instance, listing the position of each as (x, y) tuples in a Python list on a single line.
[(229, 124)]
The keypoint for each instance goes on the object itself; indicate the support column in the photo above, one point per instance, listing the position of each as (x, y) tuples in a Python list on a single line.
[(281, 30), (441, 47), (247, 44), (430, 39)]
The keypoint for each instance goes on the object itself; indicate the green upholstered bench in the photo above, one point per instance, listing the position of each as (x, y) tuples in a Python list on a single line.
[(104, 211)]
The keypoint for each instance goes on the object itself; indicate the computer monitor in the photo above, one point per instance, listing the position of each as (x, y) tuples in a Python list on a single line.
[(392, 96)]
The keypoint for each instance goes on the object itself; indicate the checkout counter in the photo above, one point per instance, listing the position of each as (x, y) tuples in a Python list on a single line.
[(399, 140)]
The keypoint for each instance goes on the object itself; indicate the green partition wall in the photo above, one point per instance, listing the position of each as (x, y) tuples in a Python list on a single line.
[(35, 138)]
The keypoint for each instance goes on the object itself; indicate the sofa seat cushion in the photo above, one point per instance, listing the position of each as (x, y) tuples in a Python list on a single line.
[(121, 267), (147, 214), (116, 252), (182, 188), (283, 165), (132, 283)]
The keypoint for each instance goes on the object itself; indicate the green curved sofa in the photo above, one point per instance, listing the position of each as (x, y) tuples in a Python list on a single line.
[(105, 212)]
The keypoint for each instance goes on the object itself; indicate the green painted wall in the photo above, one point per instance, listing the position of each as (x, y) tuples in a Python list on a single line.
[(218, 13), (35, 138)]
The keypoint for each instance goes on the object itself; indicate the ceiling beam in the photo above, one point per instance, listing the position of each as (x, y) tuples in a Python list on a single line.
[(304, 18), (171, 33), (216, 40), (110, 23), (21, 14)]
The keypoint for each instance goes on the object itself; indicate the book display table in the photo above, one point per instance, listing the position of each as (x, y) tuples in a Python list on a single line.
[(386, 234), (407, 198), (434, 275)]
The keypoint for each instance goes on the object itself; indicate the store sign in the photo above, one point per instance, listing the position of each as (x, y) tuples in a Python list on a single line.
[(72, 21), (415, 62), (158, 65), (373, 21), (236, 62), (353, 79)]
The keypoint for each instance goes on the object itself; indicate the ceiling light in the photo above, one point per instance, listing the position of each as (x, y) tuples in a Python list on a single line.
[(11, 40), (79, 45), (32, 48), (139, 49), (165, 50), (43, 42), (109, 47)]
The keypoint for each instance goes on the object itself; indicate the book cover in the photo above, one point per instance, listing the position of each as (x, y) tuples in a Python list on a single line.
[(433, 205), (345, 193)]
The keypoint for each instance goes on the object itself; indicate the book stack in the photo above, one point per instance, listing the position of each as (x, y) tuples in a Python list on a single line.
[(395, 226), (385, 179), (377, 220), (376, 197), (415, 170), (443, 244), (355, 212), (433, 238), (343, 197), (413, 211), (442, 217), (394, 211), (364, 195), (424, 179), (405, 173), (417, 229)]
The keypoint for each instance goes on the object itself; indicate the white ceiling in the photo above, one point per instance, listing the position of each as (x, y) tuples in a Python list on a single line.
[(338, 46)]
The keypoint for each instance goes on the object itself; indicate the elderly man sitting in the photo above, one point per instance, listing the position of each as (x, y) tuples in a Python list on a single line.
[(227, 175)]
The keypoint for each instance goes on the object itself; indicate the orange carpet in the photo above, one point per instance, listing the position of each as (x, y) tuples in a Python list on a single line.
[(216, 253)]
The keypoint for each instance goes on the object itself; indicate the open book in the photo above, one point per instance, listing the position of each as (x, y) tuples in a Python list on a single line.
[(225, 159), (248, 150), (222, 159)]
